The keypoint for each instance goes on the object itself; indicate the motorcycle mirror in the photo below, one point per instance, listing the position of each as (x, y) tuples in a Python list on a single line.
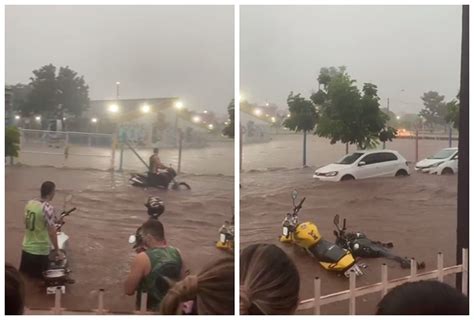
[(294, 195), (68, 198), (336, 220), (132, 239), (336, 234)]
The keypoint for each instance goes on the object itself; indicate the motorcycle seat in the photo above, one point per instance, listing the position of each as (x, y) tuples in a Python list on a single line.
[(327, 251)]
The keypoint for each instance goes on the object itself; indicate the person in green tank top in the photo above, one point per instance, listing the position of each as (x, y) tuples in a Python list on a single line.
[(156, 268), (40, 233)]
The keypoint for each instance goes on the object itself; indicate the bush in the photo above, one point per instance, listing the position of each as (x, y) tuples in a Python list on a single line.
[(12, 141)]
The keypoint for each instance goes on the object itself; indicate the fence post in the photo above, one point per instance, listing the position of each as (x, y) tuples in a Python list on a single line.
[(180, 148), (440, 267), (114, 148), (384, 279), (121, 157), (352, 297), (412, 269), (57, 301), (317, 296), (143, 302), (465, 261), (100, 308), (416, 145)]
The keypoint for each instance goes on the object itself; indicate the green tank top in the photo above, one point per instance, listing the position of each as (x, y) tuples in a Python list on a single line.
[(36, 239), (165, 263)]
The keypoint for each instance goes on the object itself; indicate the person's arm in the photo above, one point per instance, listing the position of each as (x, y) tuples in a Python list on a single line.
[(137, 272), (184, 269), (159, 164), (48, 212)]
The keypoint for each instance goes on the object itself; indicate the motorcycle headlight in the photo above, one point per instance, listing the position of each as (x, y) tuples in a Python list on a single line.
[(222, 237), (332, 174)]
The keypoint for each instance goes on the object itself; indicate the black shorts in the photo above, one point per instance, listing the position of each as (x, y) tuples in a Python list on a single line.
[(33, 265)]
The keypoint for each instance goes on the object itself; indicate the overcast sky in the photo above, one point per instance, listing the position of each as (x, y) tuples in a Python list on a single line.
[(154, 51), (404, 50)]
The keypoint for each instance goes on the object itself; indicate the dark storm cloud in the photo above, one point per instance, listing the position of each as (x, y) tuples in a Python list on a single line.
[(404, 50), (154, 51)]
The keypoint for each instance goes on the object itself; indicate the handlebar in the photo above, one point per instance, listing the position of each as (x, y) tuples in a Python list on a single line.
[(66, 213), (298, 207)]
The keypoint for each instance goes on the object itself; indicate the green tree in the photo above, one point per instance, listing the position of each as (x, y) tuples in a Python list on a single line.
[(229, 128), (303, 117), (12, 141), (49, 91), (20, 93), (346, 114), (435, 109), (73, 93), (452, 114)]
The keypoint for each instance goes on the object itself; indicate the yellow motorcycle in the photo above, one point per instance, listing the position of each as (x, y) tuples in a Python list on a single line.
[(226, 236), (306, 235)]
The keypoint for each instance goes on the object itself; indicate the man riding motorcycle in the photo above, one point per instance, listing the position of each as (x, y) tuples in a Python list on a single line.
[(155, 164)]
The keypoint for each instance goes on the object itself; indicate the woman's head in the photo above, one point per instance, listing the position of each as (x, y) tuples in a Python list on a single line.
[(269, 281), (212, 289), (14, 291), (423, 298)]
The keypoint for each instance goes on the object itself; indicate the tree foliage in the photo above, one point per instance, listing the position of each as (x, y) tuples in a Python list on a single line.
[(12, 141), (347, 114), (452, 114), (303, 115), (229, 128), (435, 109), (49, 91)]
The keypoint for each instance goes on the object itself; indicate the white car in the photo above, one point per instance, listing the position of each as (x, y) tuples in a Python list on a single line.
[(431, 163), (447, 167), (363, 165)]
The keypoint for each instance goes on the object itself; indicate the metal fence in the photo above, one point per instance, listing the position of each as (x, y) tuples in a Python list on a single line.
[(67, 149), (385, 285)]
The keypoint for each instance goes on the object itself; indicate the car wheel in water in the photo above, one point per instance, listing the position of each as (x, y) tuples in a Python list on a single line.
[(401, 173), (347, 177), (447, 171)]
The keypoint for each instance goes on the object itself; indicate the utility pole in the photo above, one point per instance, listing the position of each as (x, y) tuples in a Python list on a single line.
[(388, 105)]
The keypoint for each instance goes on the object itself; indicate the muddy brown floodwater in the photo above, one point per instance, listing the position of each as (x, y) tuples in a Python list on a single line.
[(417, 213), (108, 211)]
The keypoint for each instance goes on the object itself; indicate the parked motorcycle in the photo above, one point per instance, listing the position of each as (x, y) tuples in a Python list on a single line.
[(226, 236), (57, 273), (363, 247), (306, 235), (163, 180)]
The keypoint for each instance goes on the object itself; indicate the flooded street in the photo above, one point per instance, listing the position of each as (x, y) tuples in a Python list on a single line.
[(416, 213), (108, 211), (286, 151)]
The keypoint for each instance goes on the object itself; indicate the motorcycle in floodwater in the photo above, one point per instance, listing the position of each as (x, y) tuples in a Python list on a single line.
[(226, 236), (162, 180), (306, 235), (57, 273), (363, 247)]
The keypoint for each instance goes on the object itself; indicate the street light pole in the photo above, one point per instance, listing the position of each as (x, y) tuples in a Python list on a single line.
[(118, 90)]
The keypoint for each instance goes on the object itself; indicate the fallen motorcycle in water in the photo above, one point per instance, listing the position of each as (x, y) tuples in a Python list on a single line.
[(363, 247)]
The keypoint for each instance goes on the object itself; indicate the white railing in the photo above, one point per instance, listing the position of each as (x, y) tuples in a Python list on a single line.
[(59, 310), (385, 284)]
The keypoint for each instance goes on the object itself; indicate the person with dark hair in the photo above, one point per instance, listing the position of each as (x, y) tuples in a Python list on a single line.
[(14, 291), (40, 233), (211, 291), (269, 281), (423, 298), (154, 269)]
